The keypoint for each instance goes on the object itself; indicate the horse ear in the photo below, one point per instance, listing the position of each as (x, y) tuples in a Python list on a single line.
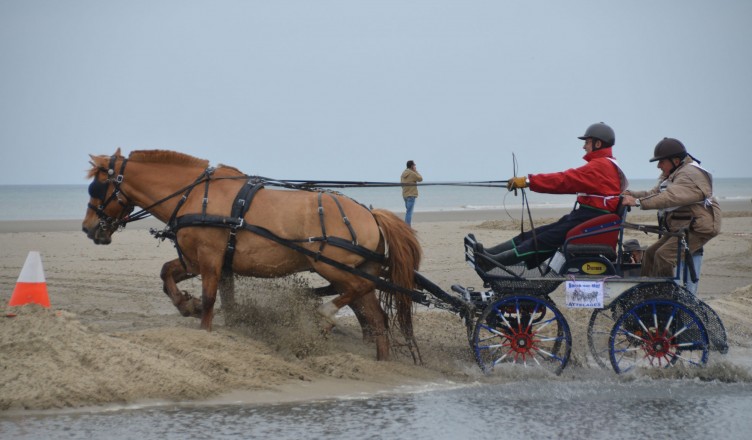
[(117, 152)]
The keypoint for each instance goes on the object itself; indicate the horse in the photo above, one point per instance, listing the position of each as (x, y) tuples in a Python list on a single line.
[(224, 222)]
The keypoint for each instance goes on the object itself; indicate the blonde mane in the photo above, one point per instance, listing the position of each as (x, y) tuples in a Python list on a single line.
[(167, 157), (156, 156), (147, 156)]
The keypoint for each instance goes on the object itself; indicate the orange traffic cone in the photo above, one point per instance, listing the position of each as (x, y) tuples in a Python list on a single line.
[(31, 286)]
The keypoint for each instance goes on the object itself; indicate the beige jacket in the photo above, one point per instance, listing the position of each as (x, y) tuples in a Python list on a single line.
[(684, 199), (410, 176)]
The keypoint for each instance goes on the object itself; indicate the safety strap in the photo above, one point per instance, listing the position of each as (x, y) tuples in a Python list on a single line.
[(623, 185)]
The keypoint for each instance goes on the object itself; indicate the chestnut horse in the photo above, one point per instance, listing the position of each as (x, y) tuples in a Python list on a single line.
[(306, 229)]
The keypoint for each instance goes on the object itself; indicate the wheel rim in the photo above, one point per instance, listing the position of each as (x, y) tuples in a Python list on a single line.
[(658, 334), (522, 330), (598, 333)]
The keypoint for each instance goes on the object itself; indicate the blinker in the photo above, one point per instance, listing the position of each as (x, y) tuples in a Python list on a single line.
[(97, 189)]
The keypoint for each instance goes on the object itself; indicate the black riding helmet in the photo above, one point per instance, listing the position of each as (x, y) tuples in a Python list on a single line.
[(600, 131), (668, 148)]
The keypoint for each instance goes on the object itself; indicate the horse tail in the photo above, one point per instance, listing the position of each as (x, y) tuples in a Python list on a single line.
[(402, 260)]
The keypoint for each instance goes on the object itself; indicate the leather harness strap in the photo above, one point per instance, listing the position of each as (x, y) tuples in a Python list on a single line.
[(239, 209), (236, 221)]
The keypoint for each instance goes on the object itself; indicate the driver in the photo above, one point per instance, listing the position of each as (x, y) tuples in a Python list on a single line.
[(684, 199), (597, 184)]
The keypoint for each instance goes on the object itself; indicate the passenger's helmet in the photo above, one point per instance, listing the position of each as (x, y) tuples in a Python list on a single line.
[(667, 148), (600, 131)]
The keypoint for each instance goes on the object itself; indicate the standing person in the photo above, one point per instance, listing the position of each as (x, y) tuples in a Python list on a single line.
[(684, 199), (597, 184), (411, 176)]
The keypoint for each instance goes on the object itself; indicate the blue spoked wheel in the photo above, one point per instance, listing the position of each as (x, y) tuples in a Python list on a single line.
[(522, 330), (658, 334)]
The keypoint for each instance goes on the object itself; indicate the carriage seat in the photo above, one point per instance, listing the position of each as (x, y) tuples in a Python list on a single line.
[(597, 236)]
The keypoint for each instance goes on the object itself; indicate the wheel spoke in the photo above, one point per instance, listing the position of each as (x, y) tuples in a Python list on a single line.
[(523, 330), (676, 336)]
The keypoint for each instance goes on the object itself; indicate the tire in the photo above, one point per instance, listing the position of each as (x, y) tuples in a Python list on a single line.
[(598, 334), (522, 330), (658, 333)]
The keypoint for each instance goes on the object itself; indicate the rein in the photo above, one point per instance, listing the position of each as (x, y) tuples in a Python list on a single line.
[(240, 207), (312, 184)]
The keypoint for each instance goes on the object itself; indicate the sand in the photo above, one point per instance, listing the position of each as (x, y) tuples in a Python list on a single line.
[(111, 337)]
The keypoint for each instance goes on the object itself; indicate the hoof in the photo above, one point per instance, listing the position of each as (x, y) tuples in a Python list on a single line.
[(190, 306), (327, 328)]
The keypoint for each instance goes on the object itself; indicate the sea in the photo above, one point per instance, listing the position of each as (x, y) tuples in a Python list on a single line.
[(587, 405), (68, 202)]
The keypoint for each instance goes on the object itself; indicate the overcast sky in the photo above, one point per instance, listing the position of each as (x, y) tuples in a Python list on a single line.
[(350, 90)]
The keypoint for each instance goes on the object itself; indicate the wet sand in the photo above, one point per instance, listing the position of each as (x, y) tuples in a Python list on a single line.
[(112, 337)]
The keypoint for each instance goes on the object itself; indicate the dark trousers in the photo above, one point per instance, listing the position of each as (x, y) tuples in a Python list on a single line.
[(549, 237)]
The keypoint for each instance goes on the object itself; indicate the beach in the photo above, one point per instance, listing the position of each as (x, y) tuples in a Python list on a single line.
[(111, 337)]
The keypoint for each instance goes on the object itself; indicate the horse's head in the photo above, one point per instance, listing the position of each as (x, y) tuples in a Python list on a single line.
[(103, 215)]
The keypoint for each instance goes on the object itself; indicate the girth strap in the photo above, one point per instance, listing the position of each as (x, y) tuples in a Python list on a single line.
[(239, 209)]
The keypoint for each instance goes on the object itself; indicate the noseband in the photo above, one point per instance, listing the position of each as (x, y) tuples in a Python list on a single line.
[(98, 190)]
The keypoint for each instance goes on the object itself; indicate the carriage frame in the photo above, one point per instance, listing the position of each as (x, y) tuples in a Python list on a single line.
[(643, 322)]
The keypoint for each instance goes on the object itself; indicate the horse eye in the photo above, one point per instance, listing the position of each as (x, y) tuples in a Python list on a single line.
[(97, 189)]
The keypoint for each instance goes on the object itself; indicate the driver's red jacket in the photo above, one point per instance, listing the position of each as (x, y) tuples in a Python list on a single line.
[(597, 184)]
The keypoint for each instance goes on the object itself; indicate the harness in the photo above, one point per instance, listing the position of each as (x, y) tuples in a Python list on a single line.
[(235, 222)]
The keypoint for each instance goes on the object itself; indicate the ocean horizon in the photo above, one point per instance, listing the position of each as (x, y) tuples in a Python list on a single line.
[(68, 202)]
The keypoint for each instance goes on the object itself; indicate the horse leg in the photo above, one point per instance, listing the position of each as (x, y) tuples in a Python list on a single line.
[(360, 307), (360, 294), (366, 307), (209, 284), (227, 296), (172, 273)]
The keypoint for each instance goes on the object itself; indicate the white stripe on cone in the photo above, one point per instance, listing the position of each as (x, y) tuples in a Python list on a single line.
[(32, 271)]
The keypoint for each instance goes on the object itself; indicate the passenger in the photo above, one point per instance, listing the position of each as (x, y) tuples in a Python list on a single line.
[(633, 252), (597, 184), (684, 199), (632, 257)]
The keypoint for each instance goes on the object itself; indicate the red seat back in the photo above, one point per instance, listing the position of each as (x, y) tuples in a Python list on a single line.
[(590, 228)]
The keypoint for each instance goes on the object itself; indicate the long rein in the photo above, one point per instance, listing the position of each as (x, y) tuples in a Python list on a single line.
[(306, 185)]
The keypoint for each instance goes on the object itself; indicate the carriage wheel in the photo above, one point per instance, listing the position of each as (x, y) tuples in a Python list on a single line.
[(522, 330), (658, 334), (598, 335)]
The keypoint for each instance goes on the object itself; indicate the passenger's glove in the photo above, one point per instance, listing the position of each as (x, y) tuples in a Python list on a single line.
[(516, 182)]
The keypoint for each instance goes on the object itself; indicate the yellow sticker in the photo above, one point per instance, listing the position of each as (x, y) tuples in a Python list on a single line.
[(594, 268)]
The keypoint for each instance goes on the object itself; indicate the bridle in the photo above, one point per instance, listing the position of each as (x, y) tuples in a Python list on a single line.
[(98, 190)]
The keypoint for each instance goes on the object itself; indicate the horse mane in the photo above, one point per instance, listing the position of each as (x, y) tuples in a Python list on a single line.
[(167, 157), (155, 156)]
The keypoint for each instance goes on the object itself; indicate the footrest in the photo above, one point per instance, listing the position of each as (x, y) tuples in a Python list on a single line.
[(471, 248)]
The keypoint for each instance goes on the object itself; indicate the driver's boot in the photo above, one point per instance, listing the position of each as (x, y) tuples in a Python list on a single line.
[(506, 258), (499, 248)]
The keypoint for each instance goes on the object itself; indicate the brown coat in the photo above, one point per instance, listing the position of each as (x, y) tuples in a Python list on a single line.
[(688, 198), (410, 176)]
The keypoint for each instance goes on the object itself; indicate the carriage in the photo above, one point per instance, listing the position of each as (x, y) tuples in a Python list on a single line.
[(636, 322), (223, 222)]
